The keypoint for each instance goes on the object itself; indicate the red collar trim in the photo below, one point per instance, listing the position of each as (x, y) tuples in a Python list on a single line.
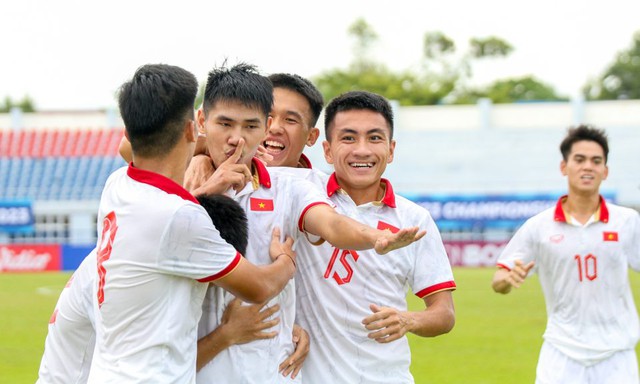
[(304, 162), (263, 175), (560, 216), (389, 197), (161, 182)]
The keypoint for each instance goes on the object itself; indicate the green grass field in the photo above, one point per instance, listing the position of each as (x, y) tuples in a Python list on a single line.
[(496, 338)]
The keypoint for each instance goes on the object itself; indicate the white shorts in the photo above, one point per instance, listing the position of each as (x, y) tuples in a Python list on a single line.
[(554, 367)]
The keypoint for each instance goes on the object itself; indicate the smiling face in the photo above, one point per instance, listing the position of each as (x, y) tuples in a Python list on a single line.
[(290, 129), (585, 168), (228, 122), (359, 149)]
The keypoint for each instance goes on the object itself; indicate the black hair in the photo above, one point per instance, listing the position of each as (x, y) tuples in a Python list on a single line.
[(241, 83), (584, 133), (305, 88), (155, 105), (229, 218), (357, 100)]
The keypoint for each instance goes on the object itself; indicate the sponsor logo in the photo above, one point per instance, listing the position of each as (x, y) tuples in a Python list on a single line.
[(29, 258), (557, 238)]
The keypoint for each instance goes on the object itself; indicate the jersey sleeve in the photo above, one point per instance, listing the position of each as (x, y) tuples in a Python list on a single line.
[(633, 250), (520, 247), (432, 270), (192, 247)]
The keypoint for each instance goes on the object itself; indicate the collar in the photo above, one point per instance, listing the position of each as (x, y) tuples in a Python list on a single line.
[(602, 213), (389, 197), (260, 174), (161, 182), (304, 162)]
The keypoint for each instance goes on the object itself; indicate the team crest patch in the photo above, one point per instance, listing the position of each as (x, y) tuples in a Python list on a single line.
[(382, 226), (556, 239), (610, 236), (261, 204)]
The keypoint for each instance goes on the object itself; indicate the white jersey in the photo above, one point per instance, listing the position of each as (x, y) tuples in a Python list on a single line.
[(68, 348), (156, 247), (583, 271), (335, 288), (274, 199)]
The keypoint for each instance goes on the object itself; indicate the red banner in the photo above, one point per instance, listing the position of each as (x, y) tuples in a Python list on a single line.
[(29, 258), (474, 253)]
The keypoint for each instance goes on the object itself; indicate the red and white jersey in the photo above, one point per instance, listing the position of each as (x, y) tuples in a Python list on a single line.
[(156, 247), (273, 199), (68, 348), (583, 271), (335, 288)]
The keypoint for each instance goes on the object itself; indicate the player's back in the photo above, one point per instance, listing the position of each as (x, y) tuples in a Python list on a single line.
[(155, 243)]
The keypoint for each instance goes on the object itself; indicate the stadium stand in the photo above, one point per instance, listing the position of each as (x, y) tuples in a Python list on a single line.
[(57, 164)]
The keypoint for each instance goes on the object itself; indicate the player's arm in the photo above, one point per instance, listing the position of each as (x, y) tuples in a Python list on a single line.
[(504, 279), (346, 233), (240, 324), (258, 284), (389, 324)]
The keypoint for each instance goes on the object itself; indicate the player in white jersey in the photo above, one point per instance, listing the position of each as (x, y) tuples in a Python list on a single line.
[(71, 336), (157, 245), (358, 332), (581, 250), (68, 348), (235, 111)]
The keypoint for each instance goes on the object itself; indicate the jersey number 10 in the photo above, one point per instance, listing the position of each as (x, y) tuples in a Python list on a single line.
[(587, 267)]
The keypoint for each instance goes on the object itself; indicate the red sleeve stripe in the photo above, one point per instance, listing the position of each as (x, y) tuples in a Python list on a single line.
[(225, 271), (446, 286), (304, 212), (504, 266)]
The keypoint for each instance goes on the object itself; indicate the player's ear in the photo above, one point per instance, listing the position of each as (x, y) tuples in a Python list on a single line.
[(200, 118), (190, 131), (563, 167), (606, 172), (326, 146), (313, 136), (268, 125), (392, 148)]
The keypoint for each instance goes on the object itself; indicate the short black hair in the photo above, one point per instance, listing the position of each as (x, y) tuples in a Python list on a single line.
[(155, 105), (303, 87), (584, 133), (229, 219), (241, 83), (357, 100)]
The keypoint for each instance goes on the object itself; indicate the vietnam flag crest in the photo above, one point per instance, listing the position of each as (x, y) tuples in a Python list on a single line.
[(610, 236), (382, 226), (261, 204)]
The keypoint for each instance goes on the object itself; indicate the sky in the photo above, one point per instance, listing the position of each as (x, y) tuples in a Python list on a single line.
[(73, 55)]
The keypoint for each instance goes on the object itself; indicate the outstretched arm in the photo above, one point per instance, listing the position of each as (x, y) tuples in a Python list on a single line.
[(346, 233), (240, 324), (504, 279), (389, 324)]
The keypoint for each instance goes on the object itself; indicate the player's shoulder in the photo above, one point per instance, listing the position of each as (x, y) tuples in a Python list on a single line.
[(410, 208), (310, 174)]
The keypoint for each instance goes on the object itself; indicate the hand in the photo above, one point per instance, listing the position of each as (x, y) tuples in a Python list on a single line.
[(293, 364), (518, 273), (199, 170), (245, 323), (228, 174), (388, 324), (263, 155), (278, 249), (389, 241)]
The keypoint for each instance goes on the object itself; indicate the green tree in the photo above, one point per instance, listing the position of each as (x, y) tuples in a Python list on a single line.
[(621, 80), (26, 104), (526, 88)]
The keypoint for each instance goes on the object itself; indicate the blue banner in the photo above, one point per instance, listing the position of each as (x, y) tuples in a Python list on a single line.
[(480, 211), (16, 216), (72, 255)]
